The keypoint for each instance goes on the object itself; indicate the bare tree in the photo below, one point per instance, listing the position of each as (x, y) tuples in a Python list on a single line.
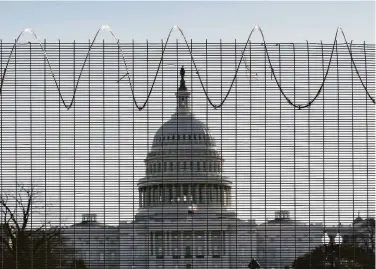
[(366, 234), (23, 247)]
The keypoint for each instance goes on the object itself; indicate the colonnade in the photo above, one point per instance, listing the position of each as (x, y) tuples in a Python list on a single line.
[(187, 244), (183, 166), (184, 193)]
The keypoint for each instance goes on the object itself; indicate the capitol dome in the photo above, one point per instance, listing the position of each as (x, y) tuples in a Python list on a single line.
[(183, 163), (183, 129)]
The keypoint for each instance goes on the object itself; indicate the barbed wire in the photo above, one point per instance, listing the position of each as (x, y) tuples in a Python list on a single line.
[(69, 104)]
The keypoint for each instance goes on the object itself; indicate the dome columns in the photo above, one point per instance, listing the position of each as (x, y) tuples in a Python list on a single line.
[(184, 194)]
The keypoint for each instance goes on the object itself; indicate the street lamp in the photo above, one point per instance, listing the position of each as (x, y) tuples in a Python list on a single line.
[(332, 245)]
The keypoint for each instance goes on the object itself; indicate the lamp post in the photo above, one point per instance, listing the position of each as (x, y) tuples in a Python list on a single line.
[(332, 244)]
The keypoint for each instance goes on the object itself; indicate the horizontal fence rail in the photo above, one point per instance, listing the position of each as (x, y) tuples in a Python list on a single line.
[(187, 155)]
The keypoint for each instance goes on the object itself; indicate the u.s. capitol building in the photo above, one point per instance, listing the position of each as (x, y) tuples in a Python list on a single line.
[(184, 219)]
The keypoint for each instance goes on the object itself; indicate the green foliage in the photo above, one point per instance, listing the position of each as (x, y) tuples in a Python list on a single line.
[(343, 256)]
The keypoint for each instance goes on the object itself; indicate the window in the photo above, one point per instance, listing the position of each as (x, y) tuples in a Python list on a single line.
[(188, 253)]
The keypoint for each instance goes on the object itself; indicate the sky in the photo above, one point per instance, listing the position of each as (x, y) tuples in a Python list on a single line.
[(281, 21)]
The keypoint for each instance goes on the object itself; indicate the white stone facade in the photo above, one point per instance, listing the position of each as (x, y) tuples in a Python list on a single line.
[(282, 240)]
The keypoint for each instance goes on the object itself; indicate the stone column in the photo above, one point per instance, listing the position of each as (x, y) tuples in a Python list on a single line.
[(146, 196), (210, 243), (173, 193), (193, 193), (204, 194), (223, 196), (181, 194), (169, 243), (189, 195), (155, 195), (193, 244), (218, 199), (164, 242), (149, 195), (229, 196), (224, 242), (206, 236), (165, 194), (207, 193), (197, 190), (182, 252)]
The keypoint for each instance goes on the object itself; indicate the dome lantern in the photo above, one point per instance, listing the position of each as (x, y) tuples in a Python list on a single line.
[(182, 95)]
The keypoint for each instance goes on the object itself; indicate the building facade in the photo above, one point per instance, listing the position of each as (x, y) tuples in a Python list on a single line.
[(281, 240), (184, 219), (93, 242)]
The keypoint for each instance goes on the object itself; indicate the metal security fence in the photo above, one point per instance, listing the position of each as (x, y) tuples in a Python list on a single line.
[(187, 155)]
